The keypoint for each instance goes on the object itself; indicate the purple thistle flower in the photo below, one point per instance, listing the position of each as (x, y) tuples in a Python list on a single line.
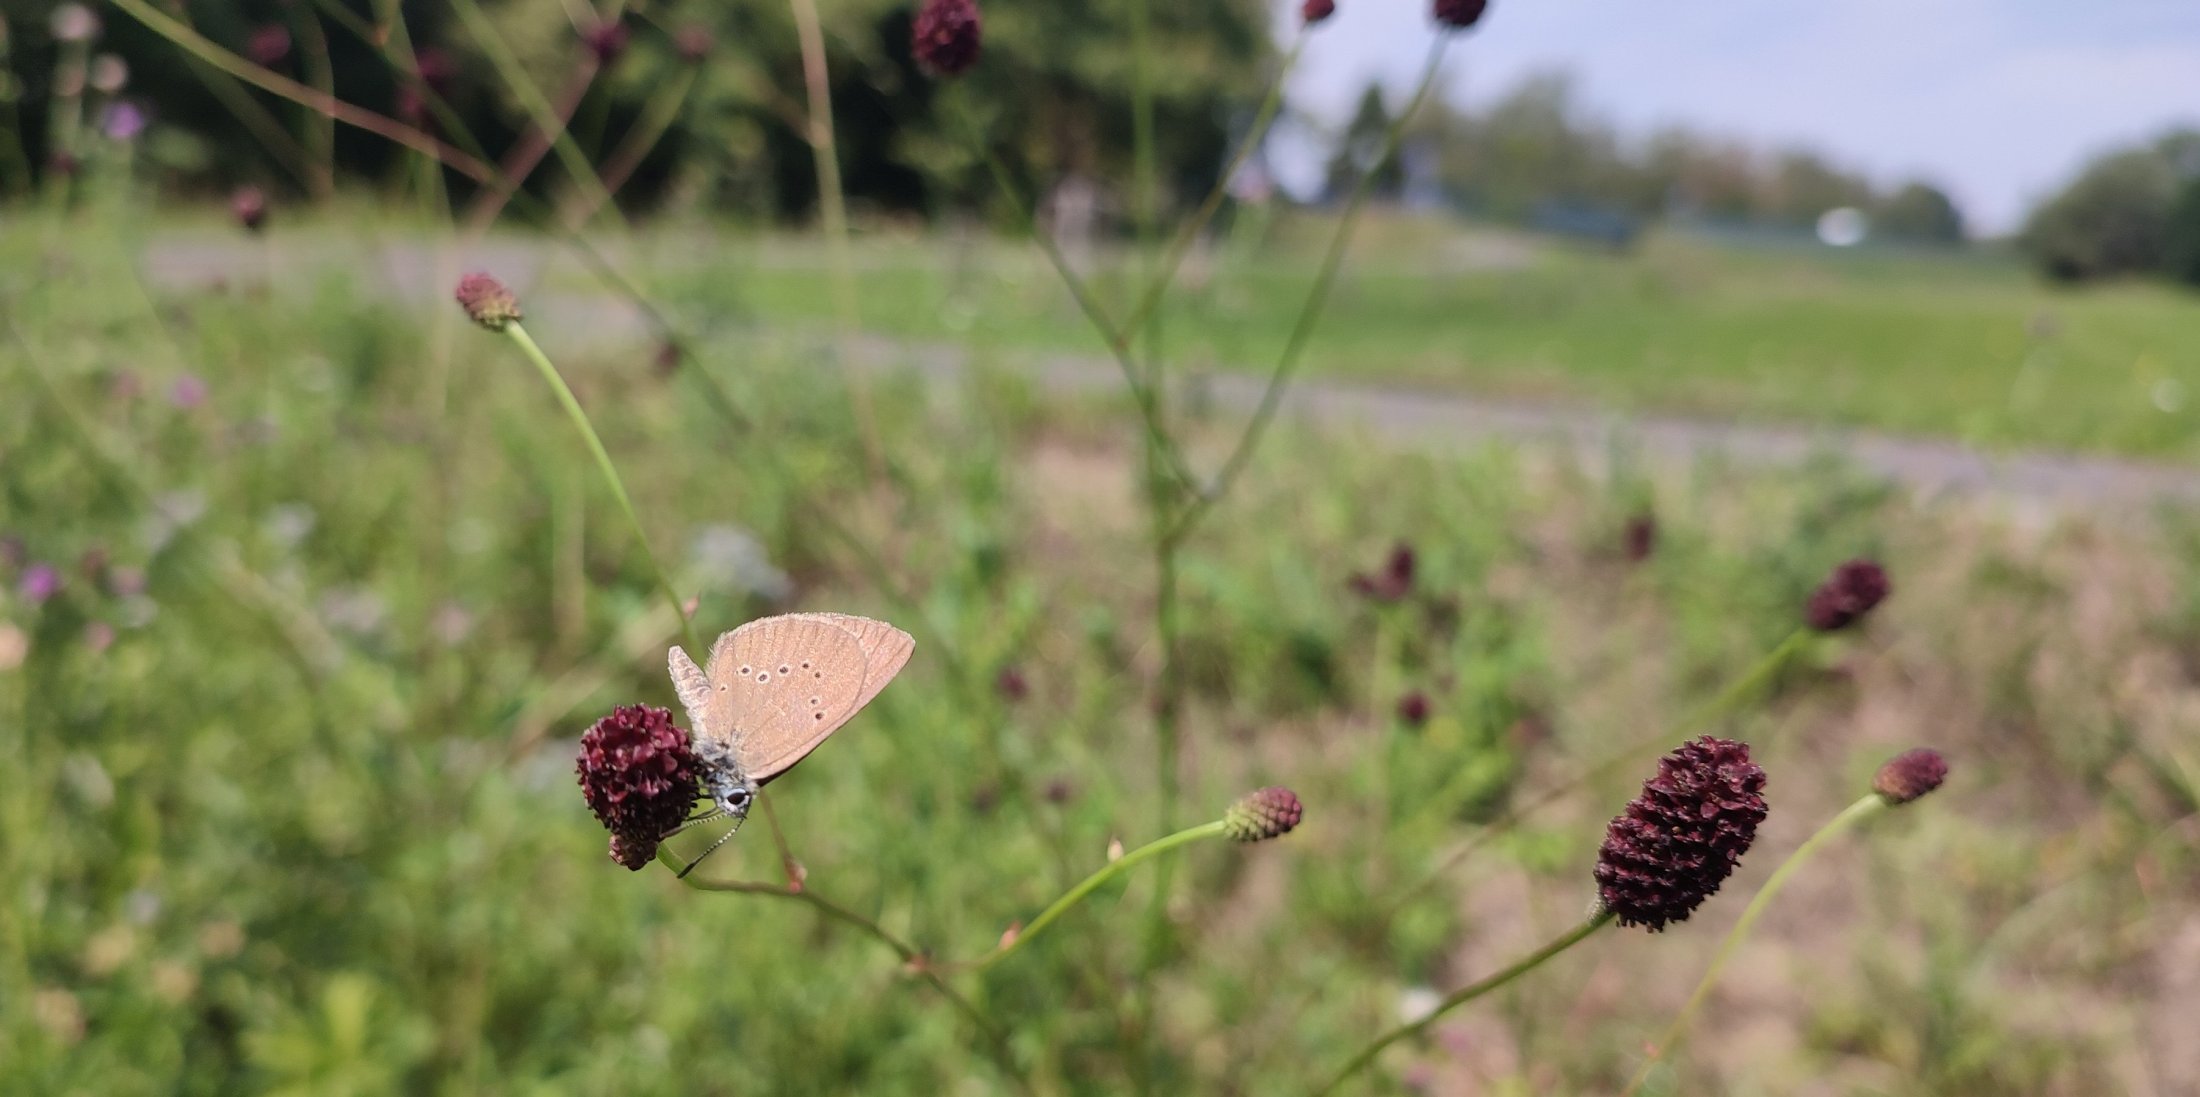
[(1315, 11)]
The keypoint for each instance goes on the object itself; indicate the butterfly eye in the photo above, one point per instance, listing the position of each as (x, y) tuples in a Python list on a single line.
[(738, 799)]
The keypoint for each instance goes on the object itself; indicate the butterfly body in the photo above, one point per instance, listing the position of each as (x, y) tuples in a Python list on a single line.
[(774, 689)]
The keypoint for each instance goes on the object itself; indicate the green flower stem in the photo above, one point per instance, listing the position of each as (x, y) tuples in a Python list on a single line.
[(550, 375), (1084, 889), (1467, 994), (548, 120), (832, 208), (1705, 715), (1114, 336), (203, 48), (1165, 275), (1271, 397), (911, 957), (657, 117), (1855, 814), (320, 126)]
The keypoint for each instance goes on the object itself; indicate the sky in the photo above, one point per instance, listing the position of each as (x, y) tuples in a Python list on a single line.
[(1996, 101)]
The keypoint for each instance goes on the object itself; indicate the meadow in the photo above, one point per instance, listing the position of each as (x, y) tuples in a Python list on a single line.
[(311, 588)]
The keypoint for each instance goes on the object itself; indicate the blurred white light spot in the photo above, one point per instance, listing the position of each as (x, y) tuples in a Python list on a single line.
[(1843, 227), (2169, 395), (1414, 1003)]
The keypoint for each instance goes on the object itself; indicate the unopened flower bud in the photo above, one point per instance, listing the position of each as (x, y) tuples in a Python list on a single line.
[(1909, 775), (1263, 814), (486, 301)]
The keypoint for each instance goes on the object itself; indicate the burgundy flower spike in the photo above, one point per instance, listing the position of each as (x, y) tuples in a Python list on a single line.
[(946, 36), (640, 776), (1678, 841), (1852, 591)]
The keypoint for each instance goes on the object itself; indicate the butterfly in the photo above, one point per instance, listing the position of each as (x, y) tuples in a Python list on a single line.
[(772, 691)]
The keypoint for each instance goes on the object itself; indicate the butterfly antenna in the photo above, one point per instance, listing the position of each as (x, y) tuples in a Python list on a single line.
[(722, 840), (692, 820)]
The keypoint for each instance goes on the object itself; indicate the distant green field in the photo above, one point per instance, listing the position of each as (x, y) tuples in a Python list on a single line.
[(1974, 349)]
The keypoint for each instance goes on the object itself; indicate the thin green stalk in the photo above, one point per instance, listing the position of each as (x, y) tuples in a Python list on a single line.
[(1113, 336), (1165, 275), (573, 409), (313, 45), (206, 50), (1467, 994), (1271, 397), (272, 136), (657, 117), (540, 111), (1855, 814), (1704, 716), (1086, 887), (832, 208), (911, 958)]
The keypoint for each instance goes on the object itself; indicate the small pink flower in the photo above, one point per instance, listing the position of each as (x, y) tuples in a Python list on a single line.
[(269, 45), (188, 392), (40, 581)]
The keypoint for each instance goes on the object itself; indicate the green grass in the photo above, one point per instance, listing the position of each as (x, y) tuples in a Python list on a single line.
[(308, 823), (1971, 349)]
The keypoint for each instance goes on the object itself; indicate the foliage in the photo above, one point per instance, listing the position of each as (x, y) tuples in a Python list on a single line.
[(1052, 96), (2112, 219), (246, 861)]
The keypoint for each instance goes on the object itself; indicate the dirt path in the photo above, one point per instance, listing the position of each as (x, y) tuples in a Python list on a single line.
[(2033, 480)]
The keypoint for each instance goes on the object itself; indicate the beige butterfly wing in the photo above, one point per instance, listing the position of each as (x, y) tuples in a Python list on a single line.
[(775, 688), (886, 649)]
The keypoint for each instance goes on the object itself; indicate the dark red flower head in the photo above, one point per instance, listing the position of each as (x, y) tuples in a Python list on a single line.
[(1460, 13), (1847, 595), (640, 776), (1641, 538), (1413, 709), (248, 204), (1909, 775), (486, 301), (1391, 584), (1677, 842), (1317, 10), (946, 37), (1011, 684), (606, 42), (1263, 814), (269, 45)]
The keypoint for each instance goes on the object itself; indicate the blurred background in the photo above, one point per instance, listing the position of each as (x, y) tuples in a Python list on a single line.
[(1646, 320)]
